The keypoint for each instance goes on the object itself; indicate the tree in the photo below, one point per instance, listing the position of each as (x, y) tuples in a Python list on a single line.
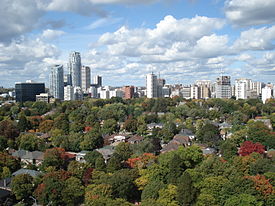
[(54, 157), (249, 147), (243, 199), (176, 168), (259, 132), (94, 191), (92, 140), (92, 156), (100, 164), (50, 190), (186, 192), (73, 194), (131, 125), (167, 196), (46, 125), (209, 134), (30, 142), (151, 190), (8, 129), (228, 149), (9, 162), (23, 123), (110, 126), (122, 182), (114, 163), (22, 186), (123, 151), (77, 169), (3, 143), (5, 173)]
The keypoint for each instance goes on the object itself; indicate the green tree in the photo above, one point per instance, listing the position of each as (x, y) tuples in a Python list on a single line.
[(228, 149), (123, 151), (30, 142), (186, 192), (23, 123), (92, 140), (22, 186), (100, 164), (73, 194), (209, 134), (110, 126), (151, 190), (92, 156), (114, 163), (243, 200), (3, 143)]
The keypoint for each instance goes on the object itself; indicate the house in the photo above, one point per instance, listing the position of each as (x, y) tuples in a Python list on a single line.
[(32, 173), (266, 122), (224, 125), (208, 151), (188, 133), (178, 140), (135, 139), (115, 139), (106, 152), (35, 157), (171, 146), (80, 156), (19, 153), (151, 126)]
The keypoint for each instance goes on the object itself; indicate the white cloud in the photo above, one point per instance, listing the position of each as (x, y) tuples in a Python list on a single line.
[(50, 34), (17, 17), (250, 12), (256, 39), (26, 59)]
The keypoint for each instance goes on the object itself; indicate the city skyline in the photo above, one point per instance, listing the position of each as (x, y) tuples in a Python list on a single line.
[(184, 40)]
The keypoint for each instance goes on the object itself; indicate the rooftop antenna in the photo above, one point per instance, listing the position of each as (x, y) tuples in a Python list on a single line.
[(159, 74)]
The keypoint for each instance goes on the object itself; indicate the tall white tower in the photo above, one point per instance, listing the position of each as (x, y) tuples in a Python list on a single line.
[(75, 69), (151, 85), (57, 82)]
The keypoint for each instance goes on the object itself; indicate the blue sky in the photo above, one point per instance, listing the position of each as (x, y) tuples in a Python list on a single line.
[(122, 40)]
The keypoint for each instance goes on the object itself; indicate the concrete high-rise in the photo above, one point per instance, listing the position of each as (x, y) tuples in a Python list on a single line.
[(75, 69), (223, 87), (242, 86), (151, 85), (85, 78), (57, 82), (98, 81)]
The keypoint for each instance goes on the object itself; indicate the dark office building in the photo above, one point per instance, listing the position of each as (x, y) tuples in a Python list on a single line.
[(28, 91)]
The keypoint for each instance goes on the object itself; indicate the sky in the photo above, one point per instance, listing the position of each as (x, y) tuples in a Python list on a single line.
[(123, 40)]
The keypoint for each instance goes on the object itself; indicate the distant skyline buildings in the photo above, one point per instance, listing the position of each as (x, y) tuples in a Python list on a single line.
[(57, 82)]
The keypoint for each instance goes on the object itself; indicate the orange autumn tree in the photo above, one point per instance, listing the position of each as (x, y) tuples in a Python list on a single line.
[(262, 185), (141, 161), (249, 147)]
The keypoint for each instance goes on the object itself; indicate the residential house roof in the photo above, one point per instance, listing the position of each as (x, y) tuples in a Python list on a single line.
[(32, 173), (135, 139), (35, 155)]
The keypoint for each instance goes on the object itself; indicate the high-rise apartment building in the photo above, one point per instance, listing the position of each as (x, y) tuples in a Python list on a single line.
[(151, 85), (204, 89), (242, 88), (75, 69), (267, 93), (98, 81), (57, 82), (28, 91), (85, 78), (129, 92), (223, 87)]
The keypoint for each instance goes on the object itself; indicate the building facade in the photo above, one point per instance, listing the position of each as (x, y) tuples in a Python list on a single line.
[(28, 91), (98, 81), (129, 92), (57, 82), (223, 87), (85, 78), (75, 69), (151, 85)]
